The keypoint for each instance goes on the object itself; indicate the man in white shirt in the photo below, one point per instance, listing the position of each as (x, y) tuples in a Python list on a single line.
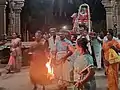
[(106, 39), (52, 41)]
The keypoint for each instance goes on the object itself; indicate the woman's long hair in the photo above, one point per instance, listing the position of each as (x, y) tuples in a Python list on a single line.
[(82, 42)]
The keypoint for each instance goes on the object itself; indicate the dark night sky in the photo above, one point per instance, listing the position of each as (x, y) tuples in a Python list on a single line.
[(37, 8), (97, 8)]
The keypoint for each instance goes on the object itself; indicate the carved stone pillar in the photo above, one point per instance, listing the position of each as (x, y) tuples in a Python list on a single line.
[(2, 17), (17, 10), (17, 21), (108, 4), (11, 18), (16, 7), (109, 18), (118, 17), (112, 11)]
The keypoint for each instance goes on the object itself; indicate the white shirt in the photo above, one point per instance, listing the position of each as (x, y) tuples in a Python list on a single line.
[(106, 39), (52, 44)]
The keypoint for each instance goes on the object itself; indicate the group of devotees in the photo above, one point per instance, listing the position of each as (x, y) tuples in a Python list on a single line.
[(71, 63), (71, 58)]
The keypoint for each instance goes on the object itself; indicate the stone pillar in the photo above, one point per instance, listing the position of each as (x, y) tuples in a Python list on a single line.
[(110, 18), (2, 17), (11, 21), (11, 18), (18, 4), (15, 23), (118, 17)]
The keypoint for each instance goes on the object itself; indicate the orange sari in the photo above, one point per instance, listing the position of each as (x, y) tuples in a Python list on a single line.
[(111, 69)]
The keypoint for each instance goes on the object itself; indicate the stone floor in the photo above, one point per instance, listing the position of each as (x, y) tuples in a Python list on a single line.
[(20, 81)]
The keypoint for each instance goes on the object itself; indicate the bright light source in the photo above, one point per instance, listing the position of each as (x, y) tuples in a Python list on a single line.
[(64, 27)]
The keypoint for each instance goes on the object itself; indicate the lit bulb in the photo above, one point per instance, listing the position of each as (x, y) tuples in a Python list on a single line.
[(64, 27)]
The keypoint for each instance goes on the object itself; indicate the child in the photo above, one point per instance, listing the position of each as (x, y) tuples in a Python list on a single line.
[(11, 64)]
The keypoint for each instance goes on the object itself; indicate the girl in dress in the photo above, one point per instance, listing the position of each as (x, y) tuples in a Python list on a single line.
[(15, 59)]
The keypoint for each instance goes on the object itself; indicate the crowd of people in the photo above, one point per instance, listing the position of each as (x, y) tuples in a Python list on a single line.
[(74, 57)]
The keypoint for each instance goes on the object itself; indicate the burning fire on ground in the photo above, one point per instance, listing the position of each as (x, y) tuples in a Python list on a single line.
[(50, 74)]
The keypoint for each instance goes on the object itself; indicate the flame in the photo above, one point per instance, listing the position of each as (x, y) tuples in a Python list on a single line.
[(50, 70)]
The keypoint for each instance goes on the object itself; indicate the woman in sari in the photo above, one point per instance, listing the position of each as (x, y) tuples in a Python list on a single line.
[(110, 62), (84, 67), (15, 59), (38, 70)]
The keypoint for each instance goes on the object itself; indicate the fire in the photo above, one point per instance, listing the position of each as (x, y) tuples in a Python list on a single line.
[(50, 74)]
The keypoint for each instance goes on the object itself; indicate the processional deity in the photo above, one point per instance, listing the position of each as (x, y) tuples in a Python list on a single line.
[(81, 18)]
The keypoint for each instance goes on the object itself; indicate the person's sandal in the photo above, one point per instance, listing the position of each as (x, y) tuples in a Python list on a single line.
[(8, 71)]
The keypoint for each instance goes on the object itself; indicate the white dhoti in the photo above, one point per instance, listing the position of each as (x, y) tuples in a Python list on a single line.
[(62, 71), (98, 58)]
